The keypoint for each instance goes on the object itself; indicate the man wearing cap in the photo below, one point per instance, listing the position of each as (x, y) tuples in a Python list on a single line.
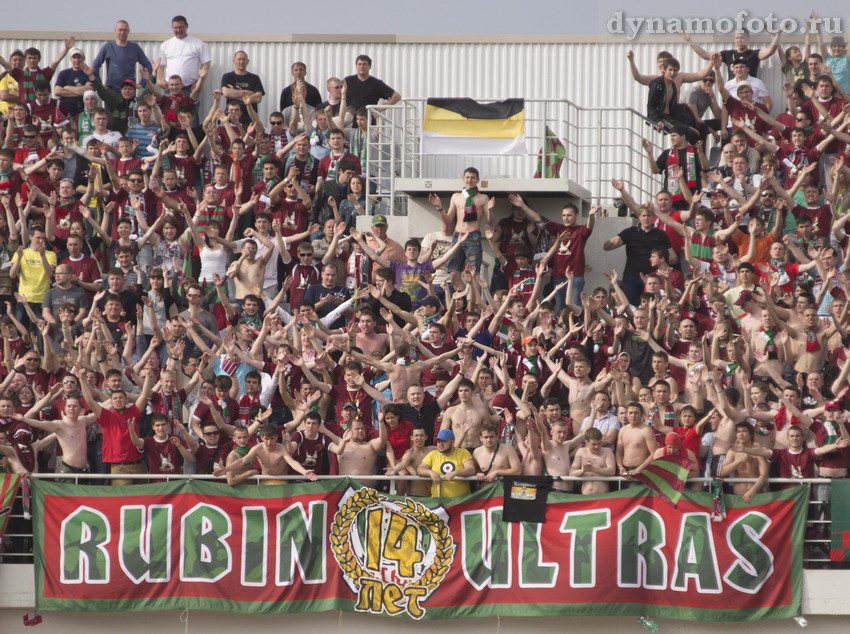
[(381, 243), (120, 57), (122, 107), (445, 465), (72, 83)]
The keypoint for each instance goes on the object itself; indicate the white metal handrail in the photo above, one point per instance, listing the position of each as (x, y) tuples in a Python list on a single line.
[(601, 142)]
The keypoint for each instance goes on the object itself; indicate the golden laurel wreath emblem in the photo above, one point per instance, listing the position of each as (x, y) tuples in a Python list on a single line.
[(374, 594)]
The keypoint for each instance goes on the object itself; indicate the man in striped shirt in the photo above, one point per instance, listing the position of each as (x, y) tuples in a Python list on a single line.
[(31, 73)]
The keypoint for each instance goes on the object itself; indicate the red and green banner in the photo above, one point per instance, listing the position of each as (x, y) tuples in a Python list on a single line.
[(839, 548), (8, 489), (334, 545)]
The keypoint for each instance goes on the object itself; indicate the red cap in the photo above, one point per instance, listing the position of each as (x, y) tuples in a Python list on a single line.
[(504, 401), (832, 405), (528, 339)]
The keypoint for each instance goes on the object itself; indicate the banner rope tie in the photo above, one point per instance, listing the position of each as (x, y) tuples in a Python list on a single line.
[(26, 500), (184, 618)]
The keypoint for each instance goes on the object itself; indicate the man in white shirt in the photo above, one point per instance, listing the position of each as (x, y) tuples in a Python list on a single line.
[(182, 55), (741, 74)]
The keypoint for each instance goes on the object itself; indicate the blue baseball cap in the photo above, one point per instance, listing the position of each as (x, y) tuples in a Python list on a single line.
[(446, 434)]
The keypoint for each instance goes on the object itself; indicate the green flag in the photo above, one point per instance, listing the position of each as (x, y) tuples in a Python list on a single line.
[(550, 157)]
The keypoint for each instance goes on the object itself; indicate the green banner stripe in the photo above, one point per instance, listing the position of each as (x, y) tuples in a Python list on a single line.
[(664, 487)]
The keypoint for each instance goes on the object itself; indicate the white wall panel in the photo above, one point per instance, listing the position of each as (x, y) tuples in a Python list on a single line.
[(587, 73)]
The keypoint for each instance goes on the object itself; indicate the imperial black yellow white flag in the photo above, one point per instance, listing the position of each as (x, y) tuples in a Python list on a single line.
[(465, 126)]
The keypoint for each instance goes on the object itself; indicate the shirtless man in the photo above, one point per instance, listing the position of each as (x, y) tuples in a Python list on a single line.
[(274, 458), (240, 449), (494, 459), (249, 271), (556, 451), (580, 386), (466, 212), (727, 407), (811, 342), (467, 417), (370, 342), (636, 442), (744, 465), (411, 460), (357, 455), (403, 375), (71, 432), (528, 443), (593, 460)]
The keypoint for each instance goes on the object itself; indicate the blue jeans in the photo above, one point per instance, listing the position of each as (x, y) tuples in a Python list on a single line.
[(633, 286), (469, 253), (561, 295)]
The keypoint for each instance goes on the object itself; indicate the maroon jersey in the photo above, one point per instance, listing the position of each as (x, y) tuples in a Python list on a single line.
[(514, 233), (570, 254), (822, 218), (795, 465), (246, 404), (240, 171), (86, 269), (431, 375), (312, 453), (293, 219), (833, 107), (399, 437), (20, 437), (303, 277), (41, 378), (18, 347), (329, 163), (186, 168), (122, 165), (826, 433), (209, 458), (64, 215), (228, 408), (124, 209), (169, 404), (357, 396), (52, 112), (162, 456), (170, 104)]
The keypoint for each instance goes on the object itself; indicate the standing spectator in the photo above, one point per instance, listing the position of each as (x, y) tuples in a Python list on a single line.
[(239, 83), (639, 242), (32, 73), (72, 83), (33, 268), (752, 57), (312, 96), (182, 56), (9, 88), (120, 57), (364, 90)]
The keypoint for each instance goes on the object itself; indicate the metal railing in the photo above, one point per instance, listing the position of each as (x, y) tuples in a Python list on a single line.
[(18, 539), (600, 142)]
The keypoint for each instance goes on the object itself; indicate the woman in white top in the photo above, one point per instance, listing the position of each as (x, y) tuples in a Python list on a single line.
[(213, 249)]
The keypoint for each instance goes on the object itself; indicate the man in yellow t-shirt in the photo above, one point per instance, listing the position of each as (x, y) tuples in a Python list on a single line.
[(33, 268), (8, 84), (445, 464)]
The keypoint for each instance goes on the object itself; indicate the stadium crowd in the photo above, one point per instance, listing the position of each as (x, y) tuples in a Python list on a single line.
[(188, 292)]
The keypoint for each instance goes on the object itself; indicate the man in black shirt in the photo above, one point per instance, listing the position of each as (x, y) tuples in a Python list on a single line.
[(239, 83), (312, 96), (422, 413), (364, 90), (385, 282), (639, 242), (752, 57)]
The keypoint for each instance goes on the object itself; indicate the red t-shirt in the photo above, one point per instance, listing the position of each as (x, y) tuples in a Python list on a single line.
[(838, 459), (399, 438), (117, 446), (359, 397), (822, 218), (795, 465), (228, 408)]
